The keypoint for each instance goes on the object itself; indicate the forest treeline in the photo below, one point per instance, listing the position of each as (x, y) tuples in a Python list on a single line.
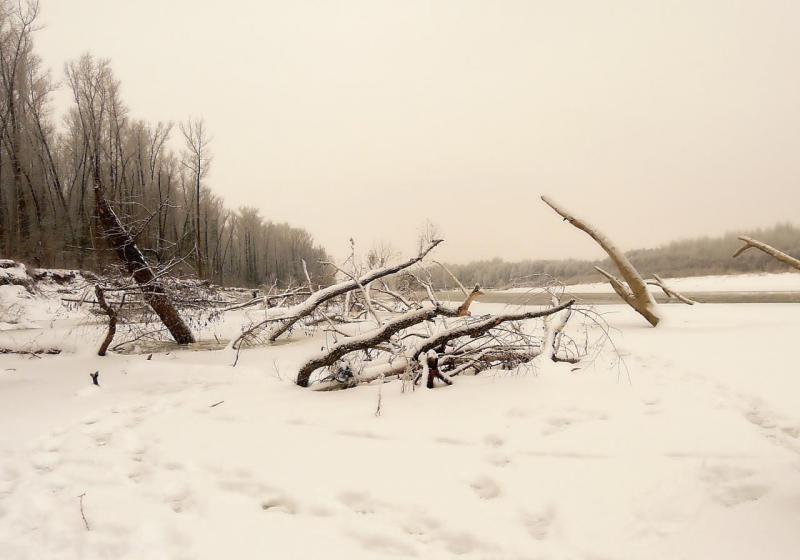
[(47, 206), (689, 257)]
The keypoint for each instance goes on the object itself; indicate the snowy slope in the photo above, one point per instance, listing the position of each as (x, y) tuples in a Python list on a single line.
[(690, 450)]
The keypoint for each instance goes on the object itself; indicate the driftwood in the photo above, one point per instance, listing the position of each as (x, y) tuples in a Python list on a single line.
[(668, 291), (125, 247), (294, 314), (463, 309), (409, 356), (636, 293), (112, 320), (749, 242), (368, 340)]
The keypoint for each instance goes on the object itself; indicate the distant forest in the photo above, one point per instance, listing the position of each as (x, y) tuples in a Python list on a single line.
[(158, 187), (690, 257)]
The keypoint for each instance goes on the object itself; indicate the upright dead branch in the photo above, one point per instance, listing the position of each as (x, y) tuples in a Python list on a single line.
[(125, 247), (768, 249), (112, 320), (668, 291), (636, 294), (463, 309)]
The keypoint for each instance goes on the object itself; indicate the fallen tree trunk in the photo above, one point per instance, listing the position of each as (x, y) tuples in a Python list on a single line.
[(306, 308), (125, 247), (749, 242), (367, 340), (636, 294), (399, 364)]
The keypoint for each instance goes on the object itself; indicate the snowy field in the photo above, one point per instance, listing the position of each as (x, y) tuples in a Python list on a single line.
[(689, 448), (764, 282)]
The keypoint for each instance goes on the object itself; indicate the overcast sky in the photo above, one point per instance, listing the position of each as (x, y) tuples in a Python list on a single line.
[(655, 120)]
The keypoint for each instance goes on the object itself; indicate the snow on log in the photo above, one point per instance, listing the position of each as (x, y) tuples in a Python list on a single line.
[(306, 308), (636, 294), (768, 249), (668, 291), (399, 363), (366, 340)]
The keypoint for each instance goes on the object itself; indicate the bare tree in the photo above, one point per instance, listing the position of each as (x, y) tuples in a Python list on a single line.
[(197, 160), (768, 249), (635, 293)]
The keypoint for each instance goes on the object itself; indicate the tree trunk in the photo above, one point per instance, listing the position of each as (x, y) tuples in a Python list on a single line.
[(636, 294), (125, 247), (112, 320)]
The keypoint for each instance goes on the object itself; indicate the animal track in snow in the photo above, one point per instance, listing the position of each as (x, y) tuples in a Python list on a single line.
[(46, 461), (493, 440), (731, 485), (539, 524), (360, 502), (486, 488)]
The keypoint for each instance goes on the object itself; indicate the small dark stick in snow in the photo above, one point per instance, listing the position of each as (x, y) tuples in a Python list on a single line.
[(216, 404), (95, 377), (85, 522)]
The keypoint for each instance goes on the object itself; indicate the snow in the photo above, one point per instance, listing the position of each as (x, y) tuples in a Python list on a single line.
[(688, 449), (764, 282)]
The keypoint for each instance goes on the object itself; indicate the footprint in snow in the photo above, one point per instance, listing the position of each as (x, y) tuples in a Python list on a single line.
[(359, 502), (539, 524), (493, 440), (730, 485), (485, 488)]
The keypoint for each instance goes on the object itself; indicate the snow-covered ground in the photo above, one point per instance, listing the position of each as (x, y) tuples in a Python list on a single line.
[(689, 449), (765, 282)]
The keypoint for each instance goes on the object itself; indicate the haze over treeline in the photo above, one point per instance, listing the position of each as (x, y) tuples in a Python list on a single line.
[(47, 208), (687, 257)]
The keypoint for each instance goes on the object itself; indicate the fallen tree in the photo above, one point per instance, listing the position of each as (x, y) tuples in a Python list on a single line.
[(635, 293), (273, 327), (749, 243), (406, 355), (124, 245)]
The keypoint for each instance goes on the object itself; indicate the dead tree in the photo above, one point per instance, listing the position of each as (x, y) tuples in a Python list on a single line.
[(285, 321), (463, 309), (668, 291), (124, 245), (112, 320), (368, 340), (635, 293), (768, 249), (409, 355)]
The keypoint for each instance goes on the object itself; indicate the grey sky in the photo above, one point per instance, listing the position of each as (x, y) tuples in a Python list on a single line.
[(655, 120)]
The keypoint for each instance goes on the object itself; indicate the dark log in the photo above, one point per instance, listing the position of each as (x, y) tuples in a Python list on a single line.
[(125, 247), (112, 320)]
